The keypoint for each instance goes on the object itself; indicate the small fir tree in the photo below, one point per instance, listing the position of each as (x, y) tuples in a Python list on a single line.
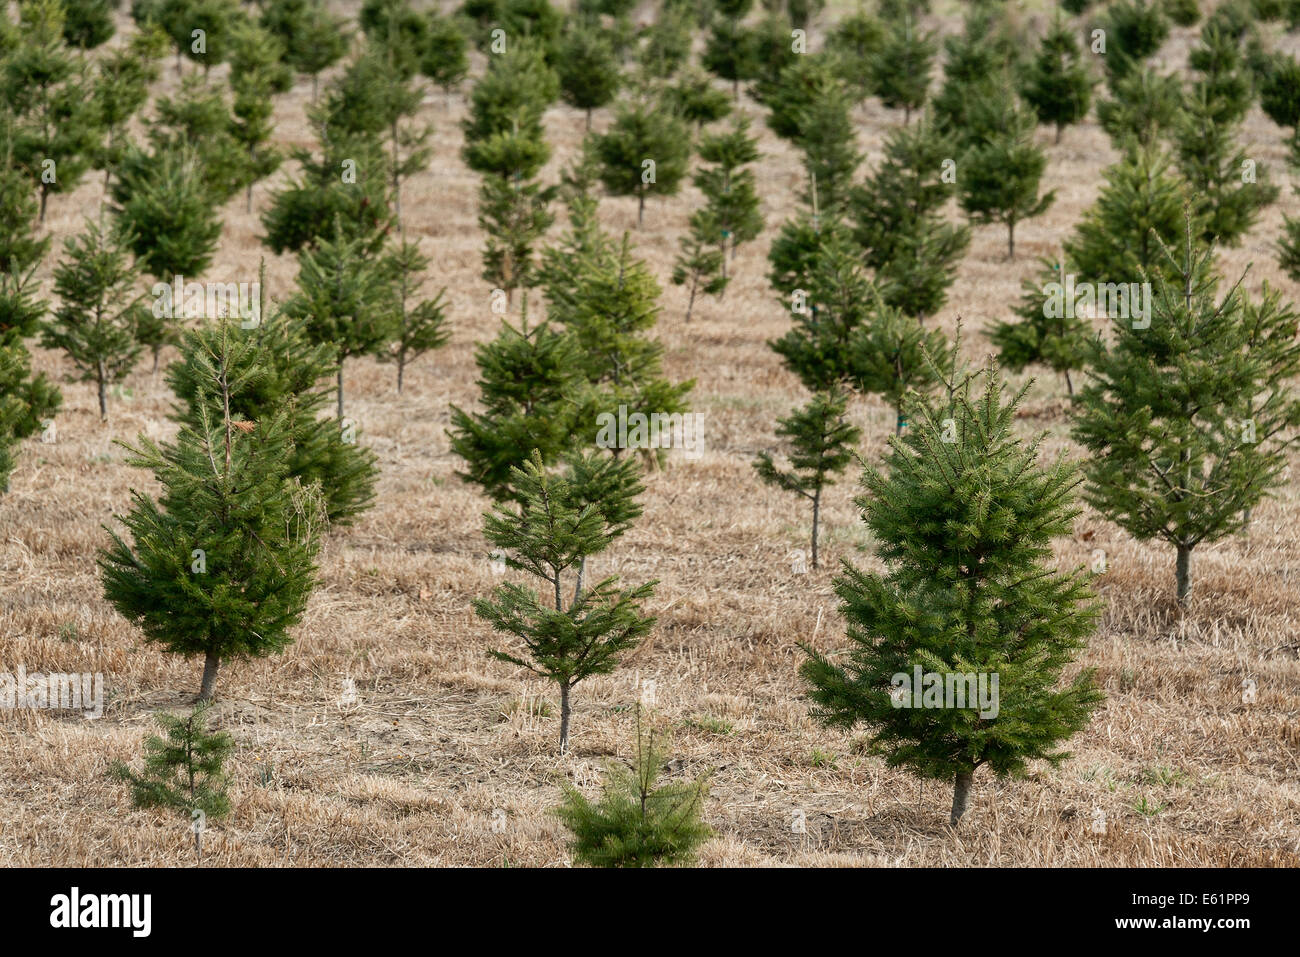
[(183, 771), (893, 356), (965, 518), (421, 327), (550, 534), (346, 298), (99, 311), (1001, 175), (587, 67), (1135, 30), (222, 563), (1145, 106), (730, 189), (637, 822), (696, 100), (27, 402), (646, 150), (1057, 83), (1047, 332), (1186, 418), (821, 446), (700, 264), (900, 68), (445, 61)]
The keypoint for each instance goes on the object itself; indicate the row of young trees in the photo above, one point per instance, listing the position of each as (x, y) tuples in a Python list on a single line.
[(238, 500)]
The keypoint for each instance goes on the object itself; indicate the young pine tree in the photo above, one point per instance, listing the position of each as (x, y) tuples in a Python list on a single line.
[(99, 311), (1057, 83), (26, 403), (821, 445), (1001, 174), (900, 68), (646, 150), (183, 771), (284, 372), (894, 356), (550, 534), (445, 61), (729, 188), (1187, 418), (701, 264), (345, 297), (1046, 332), (965, 518), (587, 67), (528, 380), (637, 822), (222, 563), (420, 327)]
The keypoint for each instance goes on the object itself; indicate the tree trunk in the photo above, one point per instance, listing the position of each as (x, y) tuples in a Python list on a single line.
[(1011, 240), (960, 795), (691, 304), (401, 368), (588, 119), (817, 513), (1183, 572), (100, 377), (248, 199), (208, 688), (1069, 386), (340, 390), (640, 209), (565, 711), (45, 197), (1059, 130)]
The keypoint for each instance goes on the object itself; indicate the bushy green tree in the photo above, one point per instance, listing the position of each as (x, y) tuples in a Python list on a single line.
[(696, 99), (314, 39), (1057, 83), (900, 68), (637, 822), (964, 517), (445, 61), (893, 356), (1135, 30), (1144, 107), (645, 151), (1188, 416), (99, 309), (26, 403), (346, 298), (1045, 332), (256, 74), (284, 372), (587, 67), (222, 563), (821, 443), (700, 264), (730, 189), (1001, 175), (550, 534)]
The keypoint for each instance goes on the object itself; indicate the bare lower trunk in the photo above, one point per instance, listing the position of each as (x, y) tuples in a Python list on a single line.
[(691, 304), (45, 196), (960, 795), (1183, 572), (101, 377), (588, 120), (340, 390), (401, 369), (1011, 240), (1059, 131), (817, 514), (1069, 386), (209, 686), (640, 210), (565, 711)]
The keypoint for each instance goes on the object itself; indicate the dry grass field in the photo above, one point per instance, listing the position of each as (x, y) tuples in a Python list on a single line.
[(443, 738)]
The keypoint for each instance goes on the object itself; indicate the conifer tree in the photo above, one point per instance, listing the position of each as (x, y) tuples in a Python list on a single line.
[(899, 223), (171, 225), (1186, 418), (314, 39), (828, 140), (197, 122), (731, 52), (975, 61), (88, 23), (1135, 30), (21, 252), (587, 67), (1001, 175), (550, 534), (1221, 82), (511, 96), (514, 214), (965, 528), (646, 150), (730, 190), (666, 43), (346, 298), (284, 372), (900, 68), (256, 73), (347, 184), (26, 403), (99, 311), (395, 29), (821, 445), (121, 88), (49, 91), (183, 771), (851, 44), (1144, 107), (222, 563), (1228, 193), (637, 822), (421, 326), (893, 356), (528, 378), (445, 61), (374, 98), (700, 264), (1046, 333), (1057, 83), (696, 100), (1279, 91)]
